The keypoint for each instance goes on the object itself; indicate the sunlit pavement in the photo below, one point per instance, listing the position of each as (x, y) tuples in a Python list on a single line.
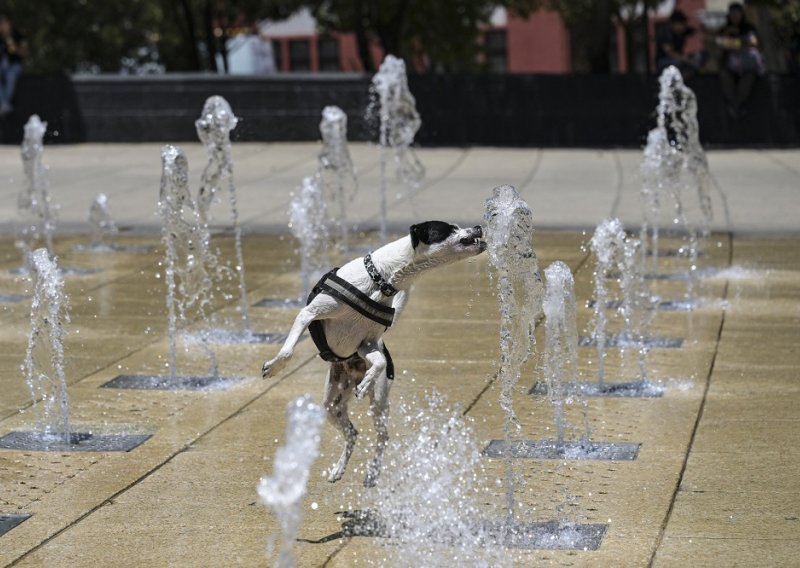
[(714, 482)]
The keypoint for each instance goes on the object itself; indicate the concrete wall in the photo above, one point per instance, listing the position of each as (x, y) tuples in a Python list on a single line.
[(457, 110)]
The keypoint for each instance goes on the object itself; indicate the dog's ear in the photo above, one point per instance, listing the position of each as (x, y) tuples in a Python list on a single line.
[(430, 232), (412, 231)]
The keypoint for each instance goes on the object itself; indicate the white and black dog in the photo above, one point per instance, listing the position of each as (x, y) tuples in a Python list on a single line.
[(351, 308)]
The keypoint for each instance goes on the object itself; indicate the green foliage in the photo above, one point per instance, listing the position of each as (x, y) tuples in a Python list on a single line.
[(785, 15), (440, 35), (72, 35), (69, 34)]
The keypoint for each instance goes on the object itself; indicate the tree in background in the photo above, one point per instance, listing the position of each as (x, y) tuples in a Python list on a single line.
[(97, 35), (195, 32), (591, 24), (436, 36), (778, 24), (85, 34)]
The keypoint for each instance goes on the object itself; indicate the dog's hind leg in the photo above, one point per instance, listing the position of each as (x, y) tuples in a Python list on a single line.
[(379, 407), (338, 390)]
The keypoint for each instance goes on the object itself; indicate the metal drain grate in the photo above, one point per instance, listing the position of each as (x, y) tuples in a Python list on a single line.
[(631, 389), (678, 305), (700, 273), (151, 382), (8, 522), (74, 271), (683, 253), (222, 337), (549, 535), (78, 442), (280, 303), (665, 306), (570, 450), (113, 247), (626, 342), (655, 276)]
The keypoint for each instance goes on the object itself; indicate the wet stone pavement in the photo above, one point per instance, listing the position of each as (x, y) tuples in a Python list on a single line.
[(713, 481)]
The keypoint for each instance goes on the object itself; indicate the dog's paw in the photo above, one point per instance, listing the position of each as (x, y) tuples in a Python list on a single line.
[(362, 389), (335, 474), (273, 367)]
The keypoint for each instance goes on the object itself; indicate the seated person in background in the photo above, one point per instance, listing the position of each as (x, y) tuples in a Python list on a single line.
[(741, 60), (670, 45), (13, 50)]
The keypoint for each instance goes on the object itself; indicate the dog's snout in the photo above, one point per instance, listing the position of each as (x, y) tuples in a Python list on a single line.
[(478, 230)]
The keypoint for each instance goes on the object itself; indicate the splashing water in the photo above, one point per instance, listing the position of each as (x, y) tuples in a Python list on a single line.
[(214, 130), (561, 340), (33, 204), (655, 174), (190, 265), (674, 162), (44, 357), (606, 244), (519, 286), (336, 170), (283, 493), (427, 499), (100, 220), (638, 305), (308, 214), (399, 123)]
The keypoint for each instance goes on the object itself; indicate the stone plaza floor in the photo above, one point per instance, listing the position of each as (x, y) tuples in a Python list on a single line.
[(714, 482)]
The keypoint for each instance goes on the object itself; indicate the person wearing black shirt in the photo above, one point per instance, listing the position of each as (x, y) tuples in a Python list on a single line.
[(13, 50), (741, 60), (670, 44)]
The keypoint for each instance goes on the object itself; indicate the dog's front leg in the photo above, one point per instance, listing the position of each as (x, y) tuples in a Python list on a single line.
[(301, 322), (399, 303), (372, 353), (321, 307)]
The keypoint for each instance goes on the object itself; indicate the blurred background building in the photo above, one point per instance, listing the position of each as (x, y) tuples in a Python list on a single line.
[(261, 37)]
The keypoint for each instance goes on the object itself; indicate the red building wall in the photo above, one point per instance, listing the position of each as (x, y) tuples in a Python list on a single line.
[(539, 44)]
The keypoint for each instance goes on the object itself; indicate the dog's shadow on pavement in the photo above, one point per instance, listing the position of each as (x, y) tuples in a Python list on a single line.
[(356, 523)]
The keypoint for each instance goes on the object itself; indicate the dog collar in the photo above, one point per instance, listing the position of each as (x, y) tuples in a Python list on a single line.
[(385, 288)]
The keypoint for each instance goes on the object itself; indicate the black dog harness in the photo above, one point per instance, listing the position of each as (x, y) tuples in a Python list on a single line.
[(341, 289)]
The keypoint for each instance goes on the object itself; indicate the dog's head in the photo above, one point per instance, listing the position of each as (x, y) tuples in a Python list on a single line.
[(443, 242)]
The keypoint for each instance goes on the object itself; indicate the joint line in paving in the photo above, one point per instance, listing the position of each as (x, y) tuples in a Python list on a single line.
[(662, 531), (109, 500)]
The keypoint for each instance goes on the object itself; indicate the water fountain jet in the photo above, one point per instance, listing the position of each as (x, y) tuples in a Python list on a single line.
[(308, 212), (337, 172), (519, 289), (35, 210), (43, 368), (399, 123), (560, 371), (214, 130), (674, 163), (283, 493), (606, 244)]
